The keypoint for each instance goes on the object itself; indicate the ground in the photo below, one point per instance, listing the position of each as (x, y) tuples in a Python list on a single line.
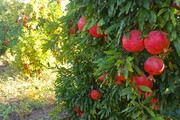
[(26, 99)]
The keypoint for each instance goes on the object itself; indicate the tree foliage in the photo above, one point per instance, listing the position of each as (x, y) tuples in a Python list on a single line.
[(88, 57), (32, 28)]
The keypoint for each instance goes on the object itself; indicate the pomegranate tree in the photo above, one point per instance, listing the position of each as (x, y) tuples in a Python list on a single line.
[(157, 42), (154, 66), (95, 95), (93, 31), (134, 44), (81, 23)]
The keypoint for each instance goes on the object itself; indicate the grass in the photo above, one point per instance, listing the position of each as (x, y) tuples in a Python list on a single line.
[(21, 94)]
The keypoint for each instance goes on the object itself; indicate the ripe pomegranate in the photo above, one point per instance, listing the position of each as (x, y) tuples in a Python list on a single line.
[(6, 42), (26, 18), (157, 42), (142, 81), (71, 30), (25, 25), (93, 31), (58, 2), (79, 112), (103, 78), (27, 62), (5, 29), (25, 67), (154, 66), (81, 23), (134, 44), (16, 21), (120, 78), (33, 27), (95, 95), (175, 5), (153, 101), (42, 6)]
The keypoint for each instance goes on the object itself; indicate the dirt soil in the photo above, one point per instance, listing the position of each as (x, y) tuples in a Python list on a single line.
[(36, 114)]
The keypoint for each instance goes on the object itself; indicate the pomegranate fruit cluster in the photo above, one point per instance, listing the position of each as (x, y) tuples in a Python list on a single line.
[(93, 30), (156, 43)]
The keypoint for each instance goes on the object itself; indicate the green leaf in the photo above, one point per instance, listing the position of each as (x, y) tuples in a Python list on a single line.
[(174, 34), (146, 4), (172, 16), (127, 35), (138, 70), (166, 16), (162, 11), (145, 88), (111, 10), (93, 22), (126, 91), (112, 27), (112, 58), (177, 46), (144, 117), (153, 17), (119, 62), (110, 52), (119, 2), (101, 22), (149, 111), (158, 117), (128, 6), (89, 9)]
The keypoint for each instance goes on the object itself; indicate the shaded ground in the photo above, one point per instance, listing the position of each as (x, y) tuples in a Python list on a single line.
[(26, 112), (36, 114)]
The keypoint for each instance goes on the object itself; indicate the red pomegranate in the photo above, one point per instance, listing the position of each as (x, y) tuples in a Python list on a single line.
[(26, 18), (16, 21), (71, 30), (120, 78), (153, 101), (95, 95), (103, 77), (142, 81), (42, 6), (5, 29), (27, 62), (25, 67), (58, 2), (6, 42), (79, 112), (25, 25), (134, 44), (157, 42), (81, 23), (154, 66), (93, 31), (175, 5)]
